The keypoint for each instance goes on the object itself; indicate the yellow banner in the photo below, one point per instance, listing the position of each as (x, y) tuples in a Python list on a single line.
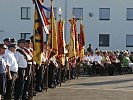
[(38, 39), (72, 49), (52, 39)]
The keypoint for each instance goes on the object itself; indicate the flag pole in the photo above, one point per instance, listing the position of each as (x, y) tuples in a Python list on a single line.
[(46, 86), (47, 55), (79, 54), (60, 12), (69, 63), (32, 74)]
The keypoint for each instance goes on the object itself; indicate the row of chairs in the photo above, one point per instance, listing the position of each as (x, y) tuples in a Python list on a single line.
[(85, 70)]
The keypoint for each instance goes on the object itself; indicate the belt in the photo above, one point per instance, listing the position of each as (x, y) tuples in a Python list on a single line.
[(21, 68), (13, 72)]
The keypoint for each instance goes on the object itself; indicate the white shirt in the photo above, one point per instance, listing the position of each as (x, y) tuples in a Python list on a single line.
[(22, 62), (98, 59), (2, 65), (11, 61), (91, 58), (53, 59), (44, 58), (85, 58)]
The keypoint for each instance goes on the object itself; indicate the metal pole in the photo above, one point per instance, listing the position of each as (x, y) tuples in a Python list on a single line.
[(65, 19)]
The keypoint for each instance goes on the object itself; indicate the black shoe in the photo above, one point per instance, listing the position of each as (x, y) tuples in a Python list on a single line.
[(34, 93), (38, 89), (51, 86)]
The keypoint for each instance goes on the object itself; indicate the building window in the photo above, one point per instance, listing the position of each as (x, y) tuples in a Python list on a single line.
[(104, 14), (25, 35), (78, 13), (129, 13), (25, 13), (129, 40), (48, 13), (104, 40)]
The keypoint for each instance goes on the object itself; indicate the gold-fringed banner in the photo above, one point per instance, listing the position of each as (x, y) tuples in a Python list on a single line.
[(61, 42), (71, 48), (81, 41)]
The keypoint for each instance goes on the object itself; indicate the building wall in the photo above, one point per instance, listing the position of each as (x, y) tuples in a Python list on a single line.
[(11, 24)]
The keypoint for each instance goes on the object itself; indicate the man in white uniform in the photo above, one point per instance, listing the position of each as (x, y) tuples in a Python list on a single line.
[(2, 70), (11, 70), (22, 65)]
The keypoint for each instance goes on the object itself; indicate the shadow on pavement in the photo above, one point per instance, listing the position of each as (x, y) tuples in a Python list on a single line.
[(105, 82)]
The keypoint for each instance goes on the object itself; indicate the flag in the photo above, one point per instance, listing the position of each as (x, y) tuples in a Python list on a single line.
[(61, 42), (71, 48), (42, 16), (40, 24), (52, 40), (81, 41), (76, 36)]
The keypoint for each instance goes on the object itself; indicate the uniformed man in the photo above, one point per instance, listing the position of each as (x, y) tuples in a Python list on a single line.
[(52, 67), (28, 85), (13, 40), (22, 65), (12, 69), (7, 41), (2, 69)]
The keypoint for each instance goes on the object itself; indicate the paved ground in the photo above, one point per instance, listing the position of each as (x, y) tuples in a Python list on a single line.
[(118, 87)]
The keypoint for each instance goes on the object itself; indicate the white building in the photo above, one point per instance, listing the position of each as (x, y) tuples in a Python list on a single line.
[(108, 23)]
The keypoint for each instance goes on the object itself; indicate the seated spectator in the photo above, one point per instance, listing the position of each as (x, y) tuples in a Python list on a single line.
[(120, 57), (131, 56), (127, 61), (116, 63), (91, 57), (98, 58), (85, 59), (97, 64), (107, 63), (86, 63)]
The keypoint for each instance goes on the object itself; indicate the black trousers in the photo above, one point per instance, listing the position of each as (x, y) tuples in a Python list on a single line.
[(10, 86), (51, 69), (2, 83), (117, 67), (28, 84), (39, 77), (19, 86)]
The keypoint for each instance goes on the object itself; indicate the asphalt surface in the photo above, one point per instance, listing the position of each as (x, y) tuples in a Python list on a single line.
[(118, 87)]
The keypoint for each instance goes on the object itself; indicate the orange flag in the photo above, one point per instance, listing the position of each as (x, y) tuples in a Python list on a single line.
[(61, 42), (81, 41)]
